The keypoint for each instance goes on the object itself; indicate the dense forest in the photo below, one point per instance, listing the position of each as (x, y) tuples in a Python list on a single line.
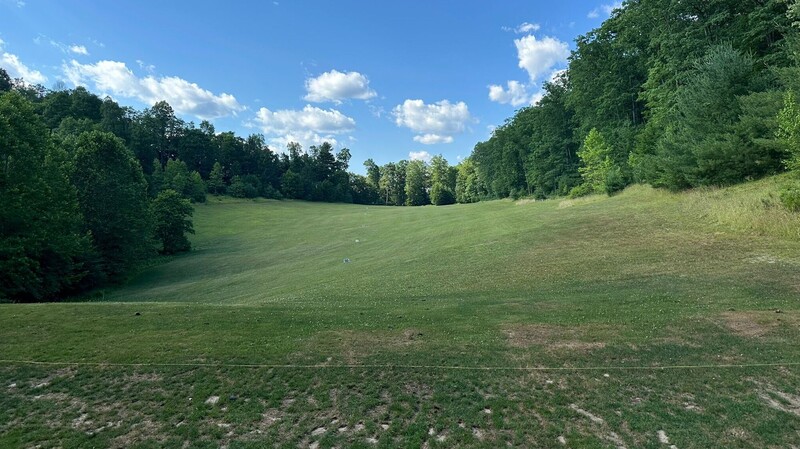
[(673, 93)]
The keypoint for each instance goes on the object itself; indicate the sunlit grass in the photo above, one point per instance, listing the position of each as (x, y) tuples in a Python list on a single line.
[(470, 325)]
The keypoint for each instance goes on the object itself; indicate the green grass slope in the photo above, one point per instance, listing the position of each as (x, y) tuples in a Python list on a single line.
[(599, 322)]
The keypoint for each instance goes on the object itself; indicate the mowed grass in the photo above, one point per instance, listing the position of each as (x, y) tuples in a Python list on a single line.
[(648, 319)]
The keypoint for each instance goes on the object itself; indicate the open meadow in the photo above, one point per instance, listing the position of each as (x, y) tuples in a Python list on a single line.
[(644, 320)]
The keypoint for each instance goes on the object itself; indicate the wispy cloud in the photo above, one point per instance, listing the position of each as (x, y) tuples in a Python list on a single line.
[(523, 28), (79, 50)]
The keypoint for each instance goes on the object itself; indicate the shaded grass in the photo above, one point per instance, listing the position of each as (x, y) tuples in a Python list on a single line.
[(603, 290)]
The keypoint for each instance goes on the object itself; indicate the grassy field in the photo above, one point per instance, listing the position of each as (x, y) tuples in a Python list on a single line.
[(649, 319)]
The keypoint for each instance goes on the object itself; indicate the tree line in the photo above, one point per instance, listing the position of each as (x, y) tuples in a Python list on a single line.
[(417, 183), (672, 93)]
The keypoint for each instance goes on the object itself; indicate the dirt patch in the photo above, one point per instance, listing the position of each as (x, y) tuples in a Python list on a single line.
[(592, 417), (758, 324), (577, 338), (270, 417)]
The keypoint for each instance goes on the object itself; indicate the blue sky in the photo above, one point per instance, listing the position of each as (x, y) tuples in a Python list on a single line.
[(389, 80)]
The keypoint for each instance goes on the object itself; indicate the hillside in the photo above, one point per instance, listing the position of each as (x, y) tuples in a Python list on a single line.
[(622, 321)]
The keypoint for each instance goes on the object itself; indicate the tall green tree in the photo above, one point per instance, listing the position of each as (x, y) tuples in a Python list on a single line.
[(112, 194), (417, 181), (216, 180), (373, 173), (596, 163), (469, 188), (172, 221), (789, 129), (442, 190)]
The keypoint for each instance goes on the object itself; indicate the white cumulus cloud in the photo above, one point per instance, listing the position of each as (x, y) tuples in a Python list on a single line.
[(433, 123), (423, 156), (604, 10), (516, 94), (16, 69), (539, 56), (336, 86), (185, 98), (308, 126)]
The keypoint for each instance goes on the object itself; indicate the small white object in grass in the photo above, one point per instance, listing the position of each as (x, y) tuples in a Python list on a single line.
[(431, 432), (371, 440), (13, 385), (358, 241), (606, 375), (346, 260), (562, 440), (488, 411), (318, 431), (212, 400), (662, 437), (384, 426)]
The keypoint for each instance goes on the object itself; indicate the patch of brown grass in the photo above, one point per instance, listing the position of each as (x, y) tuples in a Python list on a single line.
[(353, 346), (758, 324), (552, 337)]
